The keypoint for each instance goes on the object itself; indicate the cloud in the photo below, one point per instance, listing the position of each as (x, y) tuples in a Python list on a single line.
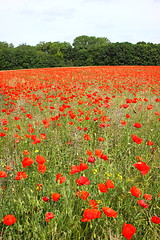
[(32, 21)]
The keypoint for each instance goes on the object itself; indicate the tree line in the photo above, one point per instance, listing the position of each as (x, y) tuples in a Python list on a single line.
[(85, 51)]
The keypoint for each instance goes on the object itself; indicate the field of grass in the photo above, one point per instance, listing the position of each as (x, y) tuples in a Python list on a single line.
[(80, 153)]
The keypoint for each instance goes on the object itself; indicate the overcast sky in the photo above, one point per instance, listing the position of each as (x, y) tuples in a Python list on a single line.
[(34, 21)]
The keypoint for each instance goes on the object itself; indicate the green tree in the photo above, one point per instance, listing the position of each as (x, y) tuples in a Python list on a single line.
[(83, 42)]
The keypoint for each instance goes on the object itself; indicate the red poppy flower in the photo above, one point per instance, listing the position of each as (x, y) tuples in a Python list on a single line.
[(90, 214), (149, 106), (16, 118), (49, 215), (104, 157), (91, 159), (20, 175), (42, 168), (147, 196), (142, 203), (124, 105), (9, 220), (3, 174), (135, 191), (109, 212), (102, 188), (26, 152), (87, 137), (83, 166), (29, 116), (62, 179), (82, 194), (2, 134), (137, 125), (136, 139), (123, 122), (101, 139), (142, 167), (82, 181), (55, 196), (98, 152), (40, 159), (74, 169), (155, 219), (58, 176), (45, 199), (93, 204), (89, 153), (43, 136), (128, 231), (128, 116), (149, 143), (109, 184), (27, 161)]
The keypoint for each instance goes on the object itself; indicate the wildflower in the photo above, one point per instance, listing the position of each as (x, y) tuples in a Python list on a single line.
[(3, 174), (42, 168), (142, 167), (60, 178), (82, 181), (109, 212), (39, 187), (100, 139), (136, 139), (149, 106), (137, 125), (9, 220), (128, 116), (155, 219), (95, 171), (147, 196), (20, 175), (123, 122), (91, 159), (93, 204), (8, 168), (43, 136), (26, 152), (74, 169), (142, 203), (29, 116), (128, 231), (82, 194), (40, 159), (124, 105), (16, 118), (90, 214), (55, 196), (135, 191), (45, 199), (27, 161), (104, 157), (102, 188), (87, 137), (109, 184), (149, 143), (89, 153), (2, 134), (83, 166), (98, 152), (48, 216)]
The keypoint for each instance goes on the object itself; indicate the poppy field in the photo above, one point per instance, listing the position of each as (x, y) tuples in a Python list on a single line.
[(80, 153)]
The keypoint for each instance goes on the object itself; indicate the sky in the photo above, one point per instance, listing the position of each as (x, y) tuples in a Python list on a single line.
[(33, 21)]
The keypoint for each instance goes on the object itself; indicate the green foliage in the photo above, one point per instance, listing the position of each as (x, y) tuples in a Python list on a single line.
[(85, 51)]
